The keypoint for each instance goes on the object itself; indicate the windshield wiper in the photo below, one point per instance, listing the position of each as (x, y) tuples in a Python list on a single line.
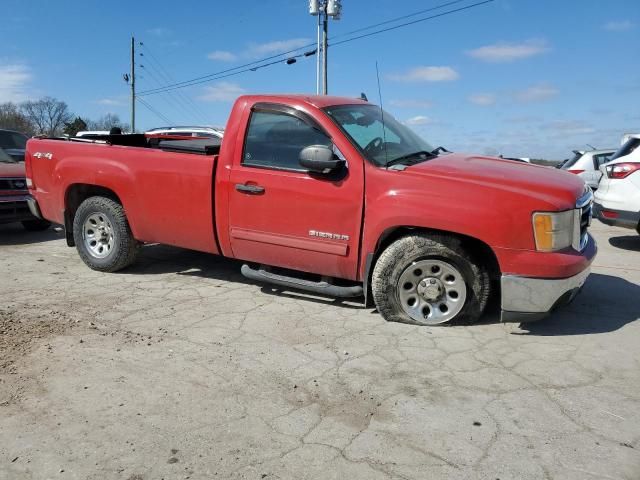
[(436, 151), (422, 155)]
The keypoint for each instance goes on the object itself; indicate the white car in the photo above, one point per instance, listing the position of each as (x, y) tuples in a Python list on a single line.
[(586, 164), (617, 200), (200, 132)]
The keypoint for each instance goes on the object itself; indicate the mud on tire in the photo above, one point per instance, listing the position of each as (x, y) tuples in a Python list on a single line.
[(441, 250), (122, 247)]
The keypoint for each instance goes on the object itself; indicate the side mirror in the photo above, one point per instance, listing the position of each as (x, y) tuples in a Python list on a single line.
[(319, 159)]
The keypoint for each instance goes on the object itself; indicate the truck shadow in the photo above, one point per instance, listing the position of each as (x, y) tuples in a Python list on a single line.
[(605, 304), (626, 242), (15, 234), (158, 259)]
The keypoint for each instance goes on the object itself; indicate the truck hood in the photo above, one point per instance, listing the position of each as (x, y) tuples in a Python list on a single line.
[(12, 169), (555, 187)]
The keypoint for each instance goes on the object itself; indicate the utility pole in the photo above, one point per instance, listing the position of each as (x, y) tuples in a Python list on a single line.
[(325, 27), (318, 50), (133, 85), (323, 9)]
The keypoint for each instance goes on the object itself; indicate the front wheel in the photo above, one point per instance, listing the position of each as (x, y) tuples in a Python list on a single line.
[(429, 280), (102, 235)]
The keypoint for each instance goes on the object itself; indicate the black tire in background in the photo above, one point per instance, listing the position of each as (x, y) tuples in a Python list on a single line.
[(407, 251), (36, 225), (123, 247)]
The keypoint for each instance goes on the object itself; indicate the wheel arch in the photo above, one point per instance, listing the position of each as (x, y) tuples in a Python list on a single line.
[(473, 245), (75, 194)]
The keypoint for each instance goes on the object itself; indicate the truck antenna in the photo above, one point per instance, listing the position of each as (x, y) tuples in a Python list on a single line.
[(384, 129)]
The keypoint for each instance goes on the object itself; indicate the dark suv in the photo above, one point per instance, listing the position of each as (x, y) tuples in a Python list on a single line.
[(14, 195)]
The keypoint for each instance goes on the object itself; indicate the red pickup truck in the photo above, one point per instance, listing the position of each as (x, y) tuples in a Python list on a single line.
[(334, 196)]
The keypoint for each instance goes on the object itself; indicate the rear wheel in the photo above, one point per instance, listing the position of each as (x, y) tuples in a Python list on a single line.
[(102, 235), (429, 280), (36, 225)]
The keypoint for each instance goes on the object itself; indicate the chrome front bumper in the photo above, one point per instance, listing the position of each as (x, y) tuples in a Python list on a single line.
[(528, 299)]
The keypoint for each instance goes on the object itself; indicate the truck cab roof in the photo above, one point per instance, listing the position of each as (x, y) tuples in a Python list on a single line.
[(318, 101)]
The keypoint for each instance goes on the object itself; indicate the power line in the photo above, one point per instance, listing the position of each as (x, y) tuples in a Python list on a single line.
[(234, 71), (449, 12), (255, 62), (147, 92), (250, 69), (154, 111), (169, 79), (169, 97), (386, 22)]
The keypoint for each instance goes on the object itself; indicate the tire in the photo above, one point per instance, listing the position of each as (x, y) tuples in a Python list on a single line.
[(406, 289), (102, 235), (35, 225)]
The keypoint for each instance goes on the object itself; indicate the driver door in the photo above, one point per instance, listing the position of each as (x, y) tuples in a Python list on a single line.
[(279, 213)]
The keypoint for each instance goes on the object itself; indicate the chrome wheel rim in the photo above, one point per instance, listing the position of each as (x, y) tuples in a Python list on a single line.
[(98, 235), (431, 291)]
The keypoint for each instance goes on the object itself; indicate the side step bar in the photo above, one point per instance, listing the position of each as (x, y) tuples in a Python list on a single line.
[(322, 287)]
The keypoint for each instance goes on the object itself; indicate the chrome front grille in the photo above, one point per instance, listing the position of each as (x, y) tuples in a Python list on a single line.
[(584, 206), (13, 184)]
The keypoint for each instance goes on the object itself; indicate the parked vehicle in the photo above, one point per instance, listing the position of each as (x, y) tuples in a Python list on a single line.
[(14, 195), (329, 195), (618, 195), (92, 133), (13, 144), (586, 164), (197, 132), (627, 136)]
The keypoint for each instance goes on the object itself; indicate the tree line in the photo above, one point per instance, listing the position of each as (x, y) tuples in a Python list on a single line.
[(52, 117)]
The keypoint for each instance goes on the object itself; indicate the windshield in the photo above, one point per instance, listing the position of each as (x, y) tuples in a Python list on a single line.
[(363, 124), (4, 158), (628, 147), (12, 140), (570, 163)]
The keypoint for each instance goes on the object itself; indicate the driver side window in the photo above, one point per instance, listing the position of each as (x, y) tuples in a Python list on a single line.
[(275, 139)]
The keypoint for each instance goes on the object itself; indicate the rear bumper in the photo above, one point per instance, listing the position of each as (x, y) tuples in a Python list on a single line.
[(616, 218), (526, 299), (15, 208)]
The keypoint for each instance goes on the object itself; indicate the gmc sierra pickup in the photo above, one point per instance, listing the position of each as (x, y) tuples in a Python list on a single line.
[(334, 196)]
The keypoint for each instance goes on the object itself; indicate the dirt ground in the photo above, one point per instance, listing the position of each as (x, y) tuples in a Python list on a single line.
[(180, 368)]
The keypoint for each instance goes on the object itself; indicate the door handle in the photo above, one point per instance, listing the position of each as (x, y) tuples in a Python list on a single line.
[(251, 189)]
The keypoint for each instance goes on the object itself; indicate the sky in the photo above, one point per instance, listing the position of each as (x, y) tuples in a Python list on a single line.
[(531, 78)]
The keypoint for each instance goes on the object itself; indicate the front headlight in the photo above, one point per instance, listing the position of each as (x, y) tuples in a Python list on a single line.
[(554, 230)]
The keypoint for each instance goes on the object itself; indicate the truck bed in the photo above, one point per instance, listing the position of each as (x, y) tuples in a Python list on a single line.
[(175, 183)]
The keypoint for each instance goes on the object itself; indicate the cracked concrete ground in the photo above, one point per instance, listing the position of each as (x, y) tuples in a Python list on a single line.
[(181, 368)]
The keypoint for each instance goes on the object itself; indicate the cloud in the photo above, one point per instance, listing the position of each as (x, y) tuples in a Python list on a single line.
[(222, 56), (159, 31), (222, 92), (111, 102), (483, 99), (536, 93), (409, 103), (619, 26), (14, 83), (427, 74), (509, 52), (277, 46), (418, 120)]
